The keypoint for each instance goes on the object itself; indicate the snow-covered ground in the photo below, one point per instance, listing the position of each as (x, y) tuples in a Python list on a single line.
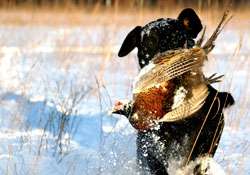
[(58, 83)]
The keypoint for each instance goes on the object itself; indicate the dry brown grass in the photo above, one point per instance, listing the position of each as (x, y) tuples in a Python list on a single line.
[(98, 15)]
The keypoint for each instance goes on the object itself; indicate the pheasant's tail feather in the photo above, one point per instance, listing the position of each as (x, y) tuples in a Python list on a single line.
[(209, 45), (201, 39), (213, 79)]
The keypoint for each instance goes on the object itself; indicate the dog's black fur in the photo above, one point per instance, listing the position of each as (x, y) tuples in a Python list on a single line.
[(162, 35), (172, 140)]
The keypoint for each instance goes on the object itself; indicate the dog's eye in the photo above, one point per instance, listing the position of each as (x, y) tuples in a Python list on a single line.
[(151, 43)]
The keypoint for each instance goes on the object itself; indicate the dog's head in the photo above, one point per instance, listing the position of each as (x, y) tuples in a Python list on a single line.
[(161, 35)]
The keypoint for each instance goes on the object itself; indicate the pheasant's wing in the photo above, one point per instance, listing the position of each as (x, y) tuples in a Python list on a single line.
[(189, 106), (169, 66)]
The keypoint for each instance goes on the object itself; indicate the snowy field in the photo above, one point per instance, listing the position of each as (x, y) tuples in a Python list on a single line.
[(58, 83)]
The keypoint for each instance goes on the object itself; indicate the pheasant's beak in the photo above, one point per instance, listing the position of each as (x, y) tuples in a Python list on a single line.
[(122, 107), (113, 111)]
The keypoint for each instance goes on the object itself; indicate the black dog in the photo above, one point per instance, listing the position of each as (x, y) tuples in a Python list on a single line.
[(162, 35), (192, 137)]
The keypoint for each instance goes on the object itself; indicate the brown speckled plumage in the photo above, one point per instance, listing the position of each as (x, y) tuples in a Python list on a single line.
[(151, 105)]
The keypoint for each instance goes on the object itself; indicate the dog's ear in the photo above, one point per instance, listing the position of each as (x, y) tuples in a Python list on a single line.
[(190, 21), (130, 41)]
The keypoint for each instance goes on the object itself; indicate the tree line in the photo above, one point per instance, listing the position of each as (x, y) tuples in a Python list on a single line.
[(123, 3)]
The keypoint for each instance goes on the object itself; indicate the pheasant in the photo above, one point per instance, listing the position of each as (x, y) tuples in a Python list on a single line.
[(172, 87)]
